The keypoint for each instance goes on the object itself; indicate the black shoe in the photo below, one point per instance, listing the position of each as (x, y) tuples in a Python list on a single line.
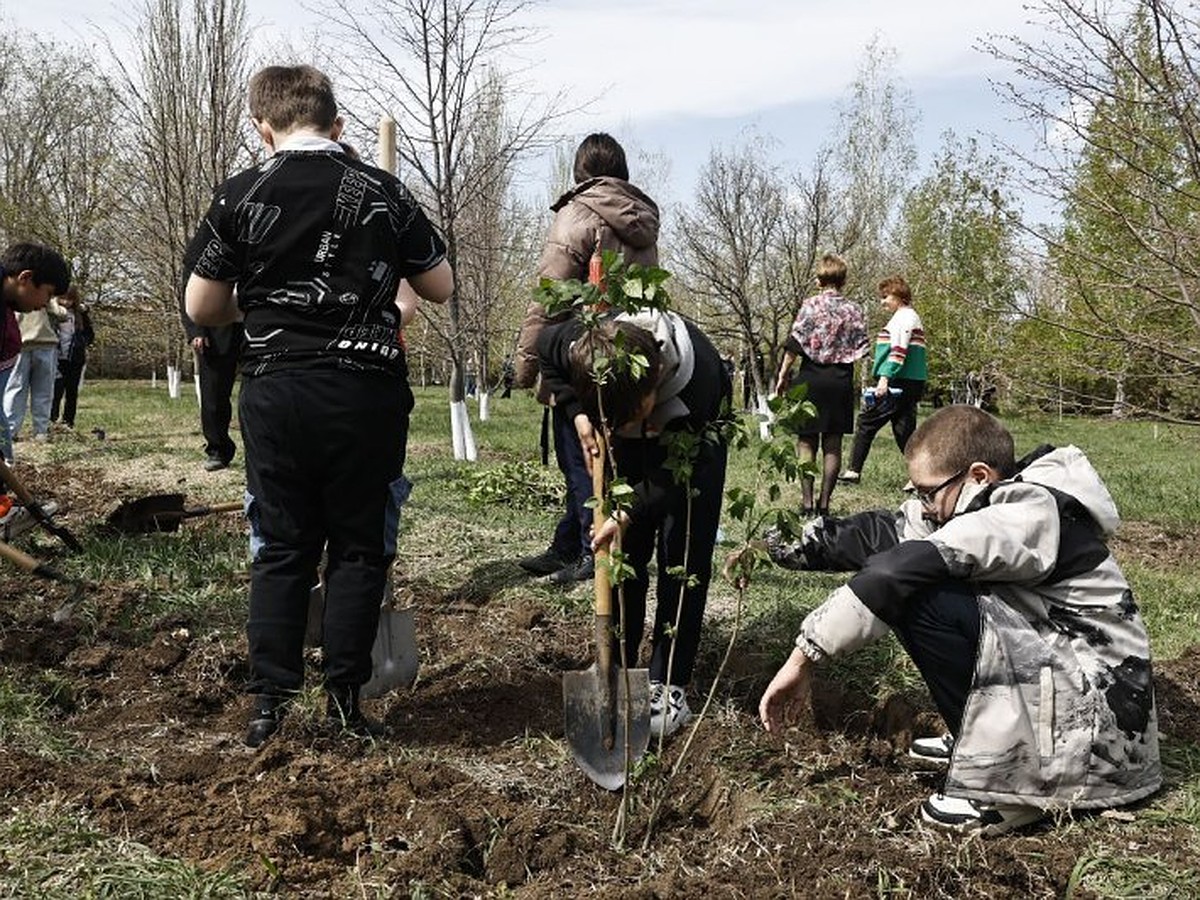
[(582, 570), (265, 717), (546, 563), (215, 464), (342, 715)]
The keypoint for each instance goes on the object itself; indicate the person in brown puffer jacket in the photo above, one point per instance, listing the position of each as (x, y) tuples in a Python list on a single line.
[(603, 210)]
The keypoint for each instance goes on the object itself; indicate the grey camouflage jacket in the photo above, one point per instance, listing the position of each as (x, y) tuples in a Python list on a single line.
[(1061, 708)]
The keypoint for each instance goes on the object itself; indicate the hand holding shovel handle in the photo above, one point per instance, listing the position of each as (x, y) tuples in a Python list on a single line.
[(17, 487)]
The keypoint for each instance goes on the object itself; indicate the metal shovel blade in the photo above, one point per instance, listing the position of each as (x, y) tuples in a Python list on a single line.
[(596, 716), (394, 656)]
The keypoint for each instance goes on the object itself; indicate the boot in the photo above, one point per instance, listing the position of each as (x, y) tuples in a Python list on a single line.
[(343, 716), (266, 713)]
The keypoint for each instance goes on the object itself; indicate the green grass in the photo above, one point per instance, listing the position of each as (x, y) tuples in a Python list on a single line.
[(53, 852), (27, 719)]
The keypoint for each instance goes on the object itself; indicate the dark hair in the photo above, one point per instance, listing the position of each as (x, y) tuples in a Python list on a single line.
[(896, 286), (47, 266), (956, 436), (600, 154), (621, 393), (831, 271), (286, 97)]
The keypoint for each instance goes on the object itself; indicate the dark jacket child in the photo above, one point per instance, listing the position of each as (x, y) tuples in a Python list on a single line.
[(75, 335), (217, 352), (685, 388), (30, 274), (316, 245)]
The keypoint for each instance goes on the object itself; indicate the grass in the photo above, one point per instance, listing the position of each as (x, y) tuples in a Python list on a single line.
[(461, 520), (53, 852)]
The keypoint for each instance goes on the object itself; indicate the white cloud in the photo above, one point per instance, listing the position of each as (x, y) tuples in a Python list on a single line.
[(711, 58)]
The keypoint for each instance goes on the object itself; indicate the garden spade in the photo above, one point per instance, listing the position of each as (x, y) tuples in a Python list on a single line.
[(394, 655), (161, 512), (606, 708)]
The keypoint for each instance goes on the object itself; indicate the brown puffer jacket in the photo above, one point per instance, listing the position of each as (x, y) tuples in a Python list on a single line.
[(609, 210)]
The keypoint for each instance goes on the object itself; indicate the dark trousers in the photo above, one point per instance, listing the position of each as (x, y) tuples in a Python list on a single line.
[(66, 385), (940, 631), (572, 534), (217, 374), (665, 536), (901, 411), (322, 449)]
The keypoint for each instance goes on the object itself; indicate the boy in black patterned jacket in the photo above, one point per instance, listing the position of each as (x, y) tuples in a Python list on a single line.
[(317, 245)]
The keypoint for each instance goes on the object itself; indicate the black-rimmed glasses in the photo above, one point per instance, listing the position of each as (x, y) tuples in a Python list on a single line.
[(928, 496)]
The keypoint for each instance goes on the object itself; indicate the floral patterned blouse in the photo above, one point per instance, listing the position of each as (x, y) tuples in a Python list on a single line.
[(829, 329)]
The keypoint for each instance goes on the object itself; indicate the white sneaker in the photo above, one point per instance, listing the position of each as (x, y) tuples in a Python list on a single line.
[(668, 709), (973, 817), (932, 749)]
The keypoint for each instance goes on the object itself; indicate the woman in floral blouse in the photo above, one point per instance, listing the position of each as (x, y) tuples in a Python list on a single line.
[(828, 335)]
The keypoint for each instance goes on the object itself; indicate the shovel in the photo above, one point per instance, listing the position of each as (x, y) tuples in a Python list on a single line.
[(31, 566), (606, 708), (161, 512), (17, 487), (394, 655)]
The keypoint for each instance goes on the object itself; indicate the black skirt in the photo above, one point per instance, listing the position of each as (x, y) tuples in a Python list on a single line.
[(831, 389)]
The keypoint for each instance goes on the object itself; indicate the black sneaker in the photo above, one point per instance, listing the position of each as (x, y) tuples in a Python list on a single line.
[(215, 464), (582, 570), (343, 716), (546, 563), (265, 716)]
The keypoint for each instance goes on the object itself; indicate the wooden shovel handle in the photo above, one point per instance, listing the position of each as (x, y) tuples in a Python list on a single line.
[(19, 558), (231, 506), (602, 587)]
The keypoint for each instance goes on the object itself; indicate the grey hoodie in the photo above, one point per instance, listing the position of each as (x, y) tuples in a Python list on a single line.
[(605, 210), (1061, 708)]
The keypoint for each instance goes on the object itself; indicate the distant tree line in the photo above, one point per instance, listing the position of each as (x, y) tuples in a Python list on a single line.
[(112, 158)]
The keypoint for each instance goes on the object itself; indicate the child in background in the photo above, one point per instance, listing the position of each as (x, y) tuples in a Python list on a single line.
[(900, 364)]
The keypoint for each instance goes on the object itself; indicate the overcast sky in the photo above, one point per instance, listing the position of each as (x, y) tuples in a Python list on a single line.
[(675, 77)]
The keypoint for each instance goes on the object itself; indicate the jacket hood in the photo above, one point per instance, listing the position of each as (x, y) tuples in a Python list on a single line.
[(1068, 470), (631, 215)]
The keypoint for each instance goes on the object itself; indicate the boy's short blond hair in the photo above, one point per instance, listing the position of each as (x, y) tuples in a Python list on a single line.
[(831, 271), (288, 97), (956, 436)]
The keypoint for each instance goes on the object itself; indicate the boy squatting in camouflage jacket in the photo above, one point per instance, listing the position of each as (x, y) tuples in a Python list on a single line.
[(996, 578)]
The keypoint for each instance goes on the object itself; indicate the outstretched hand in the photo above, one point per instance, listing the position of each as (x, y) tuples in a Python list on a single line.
[(788, 698)]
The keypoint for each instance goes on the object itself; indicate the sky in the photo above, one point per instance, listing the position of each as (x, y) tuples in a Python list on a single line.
[(673, 78)]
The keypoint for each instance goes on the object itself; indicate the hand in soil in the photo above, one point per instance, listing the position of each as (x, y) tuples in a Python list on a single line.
[(788, 698)]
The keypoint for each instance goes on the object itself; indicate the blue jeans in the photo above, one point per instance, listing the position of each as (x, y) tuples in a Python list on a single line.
[(572, 534), (31, 381)]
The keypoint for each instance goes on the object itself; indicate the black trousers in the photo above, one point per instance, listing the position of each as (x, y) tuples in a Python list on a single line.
[(66, 386), (664, 537), (217, 372), (940, 631), (901, 411), (323, 449)]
